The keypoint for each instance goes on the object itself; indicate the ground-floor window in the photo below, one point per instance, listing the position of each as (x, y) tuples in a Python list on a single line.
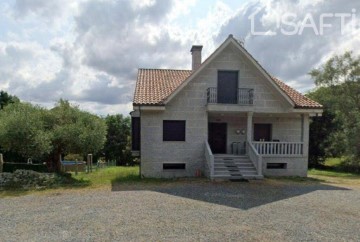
[(276, 165), (174, 130), (135, 133), (174, 166)]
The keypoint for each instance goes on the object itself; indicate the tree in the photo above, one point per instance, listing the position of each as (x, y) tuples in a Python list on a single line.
[(117, 145), (74, 131), (22, 130), (340, 77), (6, 99), (34, 132)]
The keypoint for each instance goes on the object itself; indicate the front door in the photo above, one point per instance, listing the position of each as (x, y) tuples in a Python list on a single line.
[(262, 132), (217, 137), (227, 87)]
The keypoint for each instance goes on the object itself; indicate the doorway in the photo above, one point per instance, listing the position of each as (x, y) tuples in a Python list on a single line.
[(217, 137)]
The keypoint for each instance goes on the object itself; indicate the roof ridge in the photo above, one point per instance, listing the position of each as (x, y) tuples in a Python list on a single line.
[(163, 69)]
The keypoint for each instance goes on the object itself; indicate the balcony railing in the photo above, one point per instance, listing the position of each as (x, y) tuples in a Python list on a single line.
[(279, 148), (244, 96)]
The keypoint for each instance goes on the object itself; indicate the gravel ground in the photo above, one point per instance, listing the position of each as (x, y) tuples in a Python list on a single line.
[(186, 211)]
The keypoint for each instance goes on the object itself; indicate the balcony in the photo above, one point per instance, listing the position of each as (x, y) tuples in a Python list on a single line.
[(241, 96)]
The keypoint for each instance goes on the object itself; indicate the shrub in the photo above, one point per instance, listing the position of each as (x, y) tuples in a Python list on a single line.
[(12, 167)]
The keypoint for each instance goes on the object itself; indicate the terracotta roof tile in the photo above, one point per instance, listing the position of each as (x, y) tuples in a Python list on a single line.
[(299, 99), (153, 86)]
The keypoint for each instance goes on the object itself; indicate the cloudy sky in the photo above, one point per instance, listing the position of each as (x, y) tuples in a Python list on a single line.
[(88, 51)]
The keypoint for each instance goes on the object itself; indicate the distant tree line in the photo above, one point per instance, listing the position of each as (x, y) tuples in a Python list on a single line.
[(337, 132), (31, 132)]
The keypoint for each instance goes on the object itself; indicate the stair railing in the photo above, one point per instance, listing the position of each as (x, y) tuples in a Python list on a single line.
[(209, 159), (255, 157)]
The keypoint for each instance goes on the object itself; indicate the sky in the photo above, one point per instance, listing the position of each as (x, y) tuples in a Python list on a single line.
[(88, 51)]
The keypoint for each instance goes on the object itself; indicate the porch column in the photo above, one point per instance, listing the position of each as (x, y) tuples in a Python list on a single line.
[(305, 133), (249, 126)]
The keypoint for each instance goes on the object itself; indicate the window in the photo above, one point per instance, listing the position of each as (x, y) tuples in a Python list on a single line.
[(135, 133), (262, 132), (173, 130), (276, 165), (173, 166)]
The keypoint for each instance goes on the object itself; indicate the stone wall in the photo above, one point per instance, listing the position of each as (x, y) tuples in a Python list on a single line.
[(296, 166)]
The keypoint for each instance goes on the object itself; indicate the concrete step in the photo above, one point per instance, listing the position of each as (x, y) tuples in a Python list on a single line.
[(237, 164), (245, 168), (229, 177)]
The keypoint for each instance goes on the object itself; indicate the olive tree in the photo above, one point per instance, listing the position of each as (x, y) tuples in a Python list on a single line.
[(22, 130)]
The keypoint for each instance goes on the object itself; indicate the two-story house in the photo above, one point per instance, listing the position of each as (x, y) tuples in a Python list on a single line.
[(225, 118)]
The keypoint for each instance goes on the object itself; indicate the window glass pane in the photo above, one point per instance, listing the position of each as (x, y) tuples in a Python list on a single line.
[(135, 133), (173, 130)]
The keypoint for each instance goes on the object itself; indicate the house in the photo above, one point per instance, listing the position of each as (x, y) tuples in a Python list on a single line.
[(225, 118)]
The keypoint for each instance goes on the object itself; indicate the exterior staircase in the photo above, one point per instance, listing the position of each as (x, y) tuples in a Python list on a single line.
[(234, 167)]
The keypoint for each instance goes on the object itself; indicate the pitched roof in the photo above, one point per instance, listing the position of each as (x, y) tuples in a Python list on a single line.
[(153, 86), (299, 99)]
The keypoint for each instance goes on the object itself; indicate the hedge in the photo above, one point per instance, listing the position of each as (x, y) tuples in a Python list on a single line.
[(11, 167)]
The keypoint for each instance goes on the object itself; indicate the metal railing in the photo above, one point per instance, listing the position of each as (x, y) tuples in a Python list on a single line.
[(245, 96)]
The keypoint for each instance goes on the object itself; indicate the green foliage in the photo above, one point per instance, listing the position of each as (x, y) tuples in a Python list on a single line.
[(34, 132), (117, 146), (6, 99), (338, 82), (73, 157), (109, 175), (11, 167), (22, 130), (76, 131)]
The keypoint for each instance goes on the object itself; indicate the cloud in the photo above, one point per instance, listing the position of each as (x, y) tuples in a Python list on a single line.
[(88, 51), (98, 61), (292, 57), (44, 8)]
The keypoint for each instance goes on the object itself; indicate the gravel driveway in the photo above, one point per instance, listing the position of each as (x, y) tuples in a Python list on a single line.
[(269, 210)]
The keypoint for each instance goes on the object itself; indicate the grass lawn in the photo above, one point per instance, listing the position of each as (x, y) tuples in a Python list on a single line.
[(105, 176), (334, 176)]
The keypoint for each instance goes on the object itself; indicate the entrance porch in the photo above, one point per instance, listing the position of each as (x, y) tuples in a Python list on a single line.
[(273, 144)]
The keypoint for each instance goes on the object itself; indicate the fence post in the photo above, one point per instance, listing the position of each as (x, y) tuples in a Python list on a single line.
[(76, 167), (89, 162), (1, 163)]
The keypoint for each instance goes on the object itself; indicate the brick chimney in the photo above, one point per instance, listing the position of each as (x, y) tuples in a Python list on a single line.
[(196, 56)]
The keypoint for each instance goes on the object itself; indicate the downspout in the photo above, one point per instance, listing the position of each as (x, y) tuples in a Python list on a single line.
[(140, 143)]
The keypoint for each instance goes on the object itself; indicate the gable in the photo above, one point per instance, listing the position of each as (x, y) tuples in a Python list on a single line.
[(159, 87)]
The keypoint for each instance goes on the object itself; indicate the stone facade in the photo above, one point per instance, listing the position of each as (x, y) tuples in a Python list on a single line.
[(190, 104)]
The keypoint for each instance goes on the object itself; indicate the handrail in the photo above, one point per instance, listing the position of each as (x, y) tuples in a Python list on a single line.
[(278, 148), (244, 96), (255, 157), (209, 159)]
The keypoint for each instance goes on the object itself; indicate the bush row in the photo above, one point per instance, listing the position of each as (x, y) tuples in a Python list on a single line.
[(11, 167)]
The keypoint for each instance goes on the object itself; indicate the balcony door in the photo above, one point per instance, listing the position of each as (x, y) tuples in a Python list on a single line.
[(227, 86)]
